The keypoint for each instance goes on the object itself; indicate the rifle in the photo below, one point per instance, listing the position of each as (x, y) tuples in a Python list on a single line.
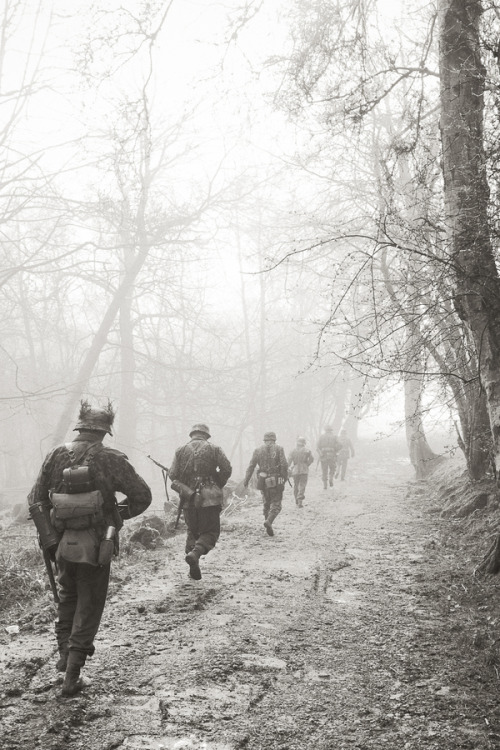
[(50, 573), (48, 539), (164, 473)]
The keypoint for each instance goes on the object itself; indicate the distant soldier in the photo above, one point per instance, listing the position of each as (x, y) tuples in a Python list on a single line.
[(271, 477), (299, 462), (73, 501), (198, 472), (346, 452), (328, 447)]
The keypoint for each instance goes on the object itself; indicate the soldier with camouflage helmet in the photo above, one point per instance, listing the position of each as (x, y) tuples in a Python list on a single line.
[(76, 488), (271, 477), (198, 472)]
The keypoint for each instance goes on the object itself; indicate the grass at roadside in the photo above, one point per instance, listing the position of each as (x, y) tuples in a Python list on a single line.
[(19, 581)]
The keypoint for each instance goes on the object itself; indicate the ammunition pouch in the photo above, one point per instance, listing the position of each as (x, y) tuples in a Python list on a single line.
[(80, 546), (211, 494), (270, 481), (261, 480), (84, 510)]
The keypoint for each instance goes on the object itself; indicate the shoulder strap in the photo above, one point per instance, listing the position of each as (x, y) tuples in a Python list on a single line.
[(195, 456), (82, 457)]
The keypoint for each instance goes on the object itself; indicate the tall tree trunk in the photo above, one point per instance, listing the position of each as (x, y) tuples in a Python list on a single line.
[(478, 445), (356, 391), (422, 456), (477, 284), (127, 414), (340, 404), (69, 412), (262, 391)]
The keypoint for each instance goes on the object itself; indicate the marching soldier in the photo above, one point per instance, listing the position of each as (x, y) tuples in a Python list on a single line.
[(346, 452), (328, 447), (271, 477), (299, 462), (77, 517), (198, 472)]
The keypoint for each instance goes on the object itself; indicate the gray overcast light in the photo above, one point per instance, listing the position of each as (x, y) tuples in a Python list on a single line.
[(194, 197), (249, 374)]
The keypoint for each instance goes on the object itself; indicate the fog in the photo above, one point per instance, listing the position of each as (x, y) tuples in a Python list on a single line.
[(186, 233)]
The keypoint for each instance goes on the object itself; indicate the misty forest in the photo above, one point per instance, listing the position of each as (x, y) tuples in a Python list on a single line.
[(266, 215)]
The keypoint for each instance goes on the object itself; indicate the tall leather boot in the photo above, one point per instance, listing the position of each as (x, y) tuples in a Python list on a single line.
[(62, 662), (268, 523), (269, 527), (72, 681), (193, 560)]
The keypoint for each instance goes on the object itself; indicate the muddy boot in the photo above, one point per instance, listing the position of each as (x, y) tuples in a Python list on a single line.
[(73, 683), (269, 527), (62, 662), (192, 559)]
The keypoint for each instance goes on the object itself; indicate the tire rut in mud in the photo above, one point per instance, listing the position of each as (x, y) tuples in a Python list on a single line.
[(335, 633)]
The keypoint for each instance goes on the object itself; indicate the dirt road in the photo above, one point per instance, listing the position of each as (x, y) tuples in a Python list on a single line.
[(358, 625)]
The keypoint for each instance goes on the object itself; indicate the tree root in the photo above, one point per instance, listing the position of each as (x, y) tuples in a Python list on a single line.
[(490, 564)]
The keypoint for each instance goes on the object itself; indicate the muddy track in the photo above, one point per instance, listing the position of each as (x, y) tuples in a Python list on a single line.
[(350, 628)]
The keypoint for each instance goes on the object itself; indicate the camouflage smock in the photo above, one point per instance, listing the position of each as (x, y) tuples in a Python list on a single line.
[(109, 469), (299, 460), (269, 458), (200, 462)]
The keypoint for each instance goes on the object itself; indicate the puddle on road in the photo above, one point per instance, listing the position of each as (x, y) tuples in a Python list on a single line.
[(313, 675), (143, 742), (349, 598), (259, 662)]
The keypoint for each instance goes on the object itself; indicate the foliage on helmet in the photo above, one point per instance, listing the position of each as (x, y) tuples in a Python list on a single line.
[(95, 418)]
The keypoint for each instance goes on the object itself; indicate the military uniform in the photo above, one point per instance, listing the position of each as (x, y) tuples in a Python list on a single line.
[(299, 461), (346, 452), (83, 583), (198, 465), (328, 447), (272, 475)]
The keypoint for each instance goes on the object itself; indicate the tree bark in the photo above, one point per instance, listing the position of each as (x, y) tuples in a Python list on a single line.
[(92, 356), (466, 193), (356, 392), (422, 456)]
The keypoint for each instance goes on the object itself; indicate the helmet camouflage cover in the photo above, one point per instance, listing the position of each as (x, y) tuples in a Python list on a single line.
[(95, 418)]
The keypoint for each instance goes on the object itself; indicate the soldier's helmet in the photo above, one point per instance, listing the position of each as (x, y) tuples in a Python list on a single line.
[(200, 427), (95, 418), (328, 428), (301, 441), (269, 436)]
